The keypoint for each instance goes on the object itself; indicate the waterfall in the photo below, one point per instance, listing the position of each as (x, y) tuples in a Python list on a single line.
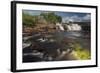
[(71, 27), (74, 27), (60, 26)]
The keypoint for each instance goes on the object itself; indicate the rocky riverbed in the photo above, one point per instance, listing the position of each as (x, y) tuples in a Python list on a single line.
[(57, 46)]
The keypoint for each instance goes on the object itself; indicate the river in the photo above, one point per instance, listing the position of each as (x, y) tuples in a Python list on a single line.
[(51, 45)]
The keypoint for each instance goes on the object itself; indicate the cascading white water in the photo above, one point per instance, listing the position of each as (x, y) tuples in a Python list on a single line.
[(60, 26), (74, 27), (71, 27)]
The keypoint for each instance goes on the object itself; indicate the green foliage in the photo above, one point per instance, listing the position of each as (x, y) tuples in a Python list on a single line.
[(51, 17), (28, 20), (31, 21), (81, 53)]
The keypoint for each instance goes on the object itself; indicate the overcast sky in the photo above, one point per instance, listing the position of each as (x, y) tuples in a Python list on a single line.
[(66, 16)]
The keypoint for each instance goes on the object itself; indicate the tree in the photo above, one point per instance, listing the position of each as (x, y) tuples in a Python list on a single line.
[(28, 20), (51, 17)]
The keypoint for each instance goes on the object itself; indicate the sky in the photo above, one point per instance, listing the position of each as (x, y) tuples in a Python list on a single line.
[(66, 16)]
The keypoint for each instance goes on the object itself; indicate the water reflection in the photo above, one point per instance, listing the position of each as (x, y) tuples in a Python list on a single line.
[(54, 46)]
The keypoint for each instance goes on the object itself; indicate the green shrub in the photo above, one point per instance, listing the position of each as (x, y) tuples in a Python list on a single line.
[(81, 53), (28, 20)]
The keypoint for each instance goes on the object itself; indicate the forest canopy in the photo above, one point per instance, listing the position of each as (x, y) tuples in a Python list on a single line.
[(31, 21)]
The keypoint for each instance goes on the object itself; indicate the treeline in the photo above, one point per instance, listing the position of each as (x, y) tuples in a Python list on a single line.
[(28, 20), (49, 18)]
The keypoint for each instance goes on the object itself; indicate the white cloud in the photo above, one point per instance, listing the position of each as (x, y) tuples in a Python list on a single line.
[(87, 17), (76, 18), (72, 19)]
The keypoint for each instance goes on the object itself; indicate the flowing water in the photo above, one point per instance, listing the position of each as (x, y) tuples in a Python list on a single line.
[(53, 42)]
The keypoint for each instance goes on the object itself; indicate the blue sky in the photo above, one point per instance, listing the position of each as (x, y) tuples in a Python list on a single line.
[(66, 16)]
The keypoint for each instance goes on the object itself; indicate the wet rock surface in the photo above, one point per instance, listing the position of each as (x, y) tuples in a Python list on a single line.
[(51, 46)]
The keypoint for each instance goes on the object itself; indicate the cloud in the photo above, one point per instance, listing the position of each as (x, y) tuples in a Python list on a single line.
[(76, 18), (31, 12), (87, 17)]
